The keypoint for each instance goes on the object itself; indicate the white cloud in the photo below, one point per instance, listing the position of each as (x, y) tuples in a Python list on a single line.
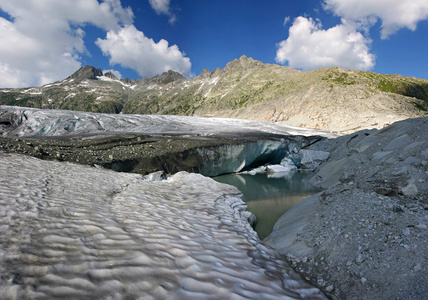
[(13, 77), (394, 14), (309, 46), (130, 48), (286, 20), (43, 41), (163, 7)]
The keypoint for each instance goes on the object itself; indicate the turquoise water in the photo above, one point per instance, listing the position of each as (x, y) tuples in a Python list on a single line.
[(269, 198)]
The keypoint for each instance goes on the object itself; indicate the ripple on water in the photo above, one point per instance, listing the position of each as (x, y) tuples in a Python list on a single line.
[(65, 234)]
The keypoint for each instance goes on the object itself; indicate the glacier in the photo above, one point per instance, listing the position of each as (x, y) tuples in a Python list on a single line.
[(209, 146), (45, 122), (76, 231), (82, 231)]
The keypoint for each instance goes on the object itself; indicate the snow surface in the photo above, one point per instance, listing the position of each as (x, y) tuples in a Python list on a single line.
[(32, 91), (81, 232), (105, 78), (214, 80), (52, 84)]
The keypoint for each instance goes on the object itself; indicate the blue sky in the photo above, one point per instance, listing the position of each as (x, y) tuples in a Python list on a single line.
[(47, 40)]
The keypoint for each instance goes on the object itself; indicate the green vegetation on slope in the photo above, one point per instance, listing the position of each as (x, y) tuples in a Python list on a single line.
[(18, 99), (396, 84), (88, 102)]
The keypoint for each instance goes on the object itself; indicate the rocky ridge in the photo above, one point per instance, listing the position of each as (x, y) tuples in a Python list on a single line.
[(327, 98)]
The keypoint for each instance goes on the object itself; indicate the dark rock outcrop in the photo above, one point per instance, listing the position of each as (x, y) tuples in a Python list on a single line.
[(86, 72), (110, 75)]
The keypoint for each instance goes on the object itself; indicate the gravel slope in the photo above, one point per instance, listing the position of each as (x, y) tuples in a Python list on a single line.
[(366, 235)]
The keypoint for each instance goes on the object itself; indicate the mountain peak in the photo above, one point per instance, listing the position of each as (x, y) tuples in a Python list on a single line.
[(243, 62), (167, 77), (204, 73), (111, 75), (86, 72)]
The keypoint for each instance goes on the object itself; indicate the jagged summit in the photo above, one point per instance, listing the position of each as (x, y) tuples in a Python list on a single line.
[(204, 73), (167, 77), (244, 62), (110, 75), (91, 73), (86, 72)]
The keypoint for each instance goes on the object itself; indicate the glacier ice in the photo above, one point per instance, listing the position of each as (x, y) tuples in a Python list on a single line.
[(235, 158), (236, 145), (82, 232), (30, 122)]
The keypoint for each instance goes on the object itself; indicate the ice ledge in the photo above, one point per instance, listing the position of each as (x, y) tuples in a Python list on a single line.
[(147, 143)]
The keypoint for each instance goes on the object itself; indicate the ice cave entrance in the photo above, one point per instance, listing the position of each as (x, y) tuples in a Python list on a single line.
[(270, 196)]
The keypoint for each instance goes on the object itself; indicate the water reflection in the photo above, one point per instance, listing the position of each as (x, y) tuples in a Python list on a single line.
[(270, 197)]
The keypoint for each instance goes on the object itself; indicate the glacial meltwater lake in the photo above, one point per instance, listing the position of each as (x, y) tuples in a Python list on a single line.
[(269, 196)]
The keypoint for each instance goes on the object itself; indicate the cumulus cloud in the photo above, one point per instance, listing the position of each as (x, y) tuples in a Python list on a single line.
[(394, 14), (309, 46), (12, 77), (130, 48), (162, 7), (43, 39)]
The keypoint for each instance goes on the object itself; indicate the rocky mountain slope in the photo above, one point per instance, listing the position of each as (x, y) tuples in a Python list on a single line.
[(365, 236), (327, 98)]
